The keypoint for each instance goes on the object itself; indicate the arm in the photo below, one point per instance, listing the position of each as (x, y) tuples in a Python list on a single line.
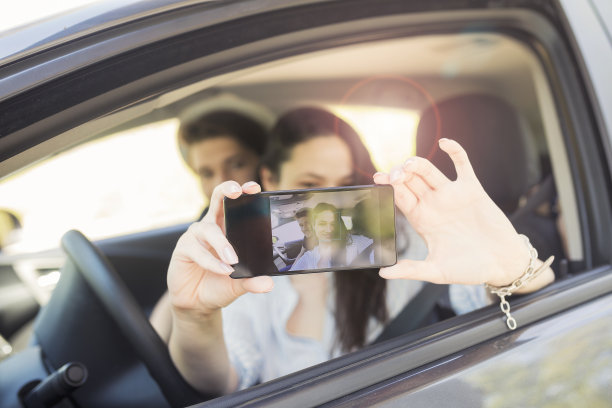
[(161, 318), (470, 240), (199, 286), (198, 350), (301, 262)]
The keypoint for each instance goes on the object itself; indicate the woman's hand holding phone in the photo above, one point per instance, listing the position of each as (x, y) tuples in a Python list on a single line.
[(199, 286), (198, 275), (470, 240)]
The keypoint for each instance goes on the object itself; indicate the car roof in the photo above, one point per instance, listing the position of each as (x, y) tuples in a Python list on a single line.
[(77, 23)]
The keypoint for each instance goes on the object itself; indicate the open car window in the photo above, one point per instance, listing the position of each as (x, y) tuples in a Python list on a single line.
[(402, 81), (130, 181), (392, 92)]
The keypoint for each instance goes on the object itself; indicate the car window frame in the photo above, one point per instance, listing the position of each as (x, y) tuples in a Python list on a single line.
[(485, 324)]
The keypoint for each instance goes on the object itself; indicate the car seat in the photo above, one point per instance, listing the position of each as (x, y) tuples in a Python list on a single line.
[(504, 157)]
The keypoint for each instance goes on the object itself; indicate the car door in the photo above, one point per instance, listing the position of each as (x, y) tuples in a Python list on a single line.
[(448, 360)]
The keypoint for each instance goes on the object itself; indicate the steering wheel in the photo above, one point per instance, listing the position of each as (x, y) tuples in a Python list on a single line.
[(123, 309), (281, 255)]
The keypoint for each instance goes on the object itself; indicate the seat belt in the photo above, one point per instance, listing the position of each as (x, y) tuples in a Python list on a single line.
[(413, 314)]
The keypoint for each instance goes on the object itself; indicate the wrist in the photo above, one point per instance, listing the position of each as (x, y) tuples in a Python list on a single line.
[(192, 331), (536, 275), (519, 256), (193, 318), (546, 277)]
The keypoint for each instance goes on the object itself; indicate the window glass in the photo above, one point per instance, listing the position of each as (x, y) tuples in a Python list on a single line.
[(132, 181)]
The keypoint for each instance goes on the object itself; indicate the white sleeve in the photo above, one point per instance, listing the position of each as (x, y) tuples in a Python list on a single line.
[(302, 262), (465, 298), (361, 242), (242, 340)]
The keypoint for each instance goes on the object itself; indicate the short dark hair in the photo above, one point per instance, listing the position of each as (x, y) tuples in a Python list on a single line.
[(245, 130), (302, 212)]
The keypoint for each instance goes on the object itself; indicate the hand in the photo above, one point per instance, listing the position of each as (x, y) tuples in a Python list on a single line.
[(198, 276), (470, 240)]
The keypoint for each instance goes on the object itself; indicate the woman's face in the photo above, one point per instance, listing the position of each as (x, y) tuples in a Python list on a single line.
[(325, 226), (316, 163), (220, 159)]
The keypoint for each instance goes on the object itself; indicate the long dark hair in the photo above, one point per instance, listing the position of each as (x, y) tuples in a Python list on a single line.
[(359, 295), (343, 234)]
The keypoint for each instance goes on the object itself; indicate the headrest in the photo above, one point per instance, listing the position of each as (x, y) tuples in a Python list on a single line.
[(496, 139)]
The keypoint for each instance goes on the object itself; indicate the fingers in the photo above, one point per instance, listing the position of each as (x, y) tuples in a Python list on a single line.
[(416, 184), (229, 189), (259, 284), (407, 179), (251, 187), (211, 234), (415, 270), (381, 178), (191, 250), (459, 157), (404, 198), (428, 173)]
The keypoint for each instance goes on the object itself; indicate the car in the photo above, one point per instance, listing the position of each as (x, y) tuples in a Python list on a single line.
[(89, 102)]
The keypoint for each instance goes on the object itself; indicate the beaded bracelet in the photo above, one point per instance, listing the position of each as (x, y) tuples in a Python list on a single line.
[(530, 273)]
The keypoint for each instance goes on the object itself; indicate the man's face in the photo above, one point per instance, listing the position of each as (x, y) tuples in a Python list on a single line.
[(305, 227), (220, 159)]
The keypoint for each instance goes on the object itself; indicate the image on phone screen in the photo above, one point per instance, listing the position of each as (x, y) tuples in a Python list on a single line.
[(312, 230)]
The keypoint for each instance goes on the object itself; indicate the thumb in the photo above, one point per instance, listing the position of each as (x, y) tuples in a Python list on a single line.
[(259, 284), (415, 270)]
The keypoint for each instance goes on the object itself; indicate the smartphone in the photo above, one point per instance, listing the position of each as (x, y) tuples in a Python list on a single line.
[(312, 230)]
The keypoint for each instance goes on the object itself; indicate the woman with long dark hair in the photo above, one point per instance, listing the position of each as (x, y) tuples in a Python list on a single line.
[(336, 246), (221, 340), (313, 148)]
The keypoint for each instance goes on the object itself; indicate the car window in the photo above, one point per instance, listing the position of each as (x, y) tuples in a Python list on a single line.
[(399, 95), (144, 185), (486, 90), (387, 99)]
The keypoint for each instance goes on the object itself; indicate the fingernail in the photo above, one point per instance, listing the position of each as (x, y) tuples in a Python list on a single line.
[(230, 255), (443, 140), (395, 175), (409, 161), (234, 189), (226, 267), (378, 173), (249, 184)]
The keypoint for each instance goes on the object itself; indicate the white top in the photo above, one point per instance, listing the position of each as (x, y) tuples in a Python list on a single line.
[(260, 349), (311, 258)]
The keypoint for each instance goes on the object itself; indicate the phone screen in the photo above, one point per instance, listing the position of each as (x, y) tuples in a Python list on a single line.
[(313, 230)]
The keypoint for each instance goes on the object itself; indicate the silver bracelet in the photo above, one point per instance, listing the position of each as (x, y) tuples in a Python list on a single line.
[(530, 274)]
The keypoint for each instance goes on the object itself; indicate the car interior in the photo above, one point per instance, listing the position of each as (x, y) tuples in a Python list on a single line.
[(486, 90)]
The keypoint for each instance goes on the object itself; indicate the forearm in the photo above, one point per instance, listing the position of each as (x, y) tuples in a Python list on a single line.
[(198, 350)]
